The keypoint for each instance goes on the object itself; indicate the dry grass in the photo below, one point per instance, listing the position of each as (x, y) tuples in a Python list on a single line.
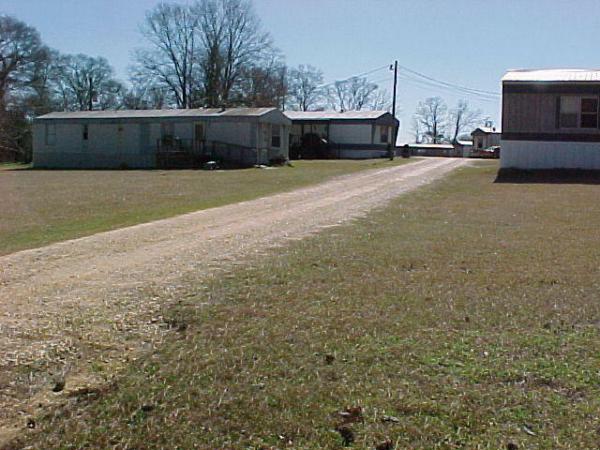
[(463, 316), (43, 206)]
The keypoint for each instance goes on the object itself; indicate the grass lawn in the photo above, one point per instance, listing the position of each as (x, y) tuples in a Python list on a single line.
[(465, 315), (41, 206)]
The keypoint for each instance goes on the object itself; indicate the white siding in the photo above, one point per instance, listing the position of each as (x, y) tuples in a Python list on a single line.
[(135, 145), (550, 155), (351, 133), (237, 133)]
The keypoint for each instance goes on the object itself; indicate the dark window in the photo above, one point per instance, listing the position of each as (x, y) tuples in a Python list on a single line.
[(589, 113), (167, 132), (384, 135), (578, 112), (85, 133), (275, 136)]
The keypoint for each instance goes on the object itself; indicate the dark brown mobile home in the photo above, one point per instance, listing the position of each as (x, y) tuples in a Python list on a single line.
[(550, 119)]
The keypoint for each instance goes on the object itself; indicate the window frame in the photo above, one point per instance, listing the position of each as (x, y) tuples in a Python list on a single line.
[(578, 116), (276, 137)]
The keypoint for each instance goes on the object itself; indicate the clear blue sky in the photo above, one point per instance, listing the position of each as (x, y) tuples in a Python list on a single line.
[(466, 42)]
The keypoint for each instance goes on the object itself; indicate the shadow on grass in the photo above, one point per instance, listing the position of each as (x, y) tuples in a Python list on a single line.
[(552, 176)]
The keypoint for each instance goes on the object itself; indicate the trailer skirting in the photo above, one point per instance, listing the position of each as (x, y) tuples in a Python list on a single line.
[(532, 155)]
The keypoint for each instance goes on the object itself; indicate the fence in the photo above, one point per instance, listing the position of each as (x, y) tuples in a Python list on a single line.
[(174, 153)]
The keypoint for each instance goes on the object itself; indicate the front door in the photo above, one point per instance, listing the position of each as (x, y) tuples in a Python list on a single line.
[(198, 136)]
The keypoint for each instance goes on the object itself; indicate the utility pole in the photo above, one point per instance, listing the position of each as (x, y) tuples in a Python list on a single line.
[(283, 88), (394, 97), (395, 132)]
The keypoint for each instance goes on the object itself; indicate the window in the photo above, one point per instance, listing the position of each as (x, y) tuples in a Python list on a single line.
[(569, 110), (50, 134), (589, 113), (275, 136), (85, 132), (383, 135), (578, 112)]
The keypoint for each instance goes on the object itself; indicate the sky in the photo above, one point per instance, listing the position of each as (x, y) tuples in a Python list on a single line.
[(469, 43)]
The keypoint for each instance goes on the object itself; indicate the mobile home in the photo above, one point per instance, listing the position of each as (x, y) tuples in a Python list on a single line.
[(350, 134), (550, 119), (152, 138)]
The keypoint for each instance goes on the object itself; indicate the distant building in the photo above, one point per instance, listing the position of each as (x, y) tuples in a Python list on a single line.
[(159, 138), (351, 134), (550, 119), (485, 137), (447, 150), (463, 148)]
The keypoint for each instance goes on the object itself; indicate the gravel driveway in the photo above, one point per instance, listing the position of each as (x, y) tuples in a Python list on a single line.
[(69, 308)]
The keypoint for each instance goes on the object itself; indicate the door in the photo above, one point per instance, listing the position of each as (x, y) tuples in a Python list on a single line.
[(198, 136), (263, 155), (145, 147)]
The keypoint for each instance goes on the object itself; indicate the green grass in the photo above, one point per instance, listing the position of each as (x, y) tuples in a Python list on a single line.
[(40, 207), (14, 166), (467, 311)]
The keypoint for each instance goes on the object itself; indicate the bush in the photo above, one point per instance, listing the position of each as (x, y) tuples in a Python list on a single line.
[(279, 160)]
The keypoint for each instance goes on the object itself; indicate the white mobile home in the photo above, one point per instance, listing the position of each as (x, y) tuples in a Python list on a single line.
[(550, 119), (351, 134), (154, 138)]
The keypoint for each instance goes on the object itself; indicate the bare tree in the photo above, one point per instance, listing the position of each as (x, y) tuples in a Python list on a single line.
[(87, 83), (171, 61), (201, 52), (212, 31), (234, 47), (352, 94), (380, 101), (262, 86), (20, 50), (244, 43), (304, 87), (144, 93), (21, 60), (462, 118), (416, 129), (431, 115)]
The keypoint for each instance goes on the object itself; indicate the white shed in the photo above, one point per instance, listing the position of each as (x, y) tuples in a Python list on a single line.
[(157, 138)]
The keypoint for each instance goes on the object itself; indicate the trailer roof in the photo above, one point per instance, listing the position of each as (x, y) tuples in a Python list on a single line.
[(489, 130), (159, 113), (549, 75), (334, 115)]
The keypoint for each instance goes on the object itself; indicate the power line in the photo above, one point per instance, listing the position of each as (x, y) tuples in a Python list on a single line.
[(388, 78), (452, 85), (369, 72), (423, 84)]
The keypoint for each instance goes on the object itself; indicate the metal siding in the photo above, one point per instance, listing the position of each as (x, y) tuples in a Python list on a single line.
[(531, 155), (350, 133), (135, 146)]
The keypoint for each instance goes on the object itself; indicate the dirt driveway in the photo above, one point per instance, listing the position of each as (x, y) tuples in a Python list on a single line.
[(79, 310)]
